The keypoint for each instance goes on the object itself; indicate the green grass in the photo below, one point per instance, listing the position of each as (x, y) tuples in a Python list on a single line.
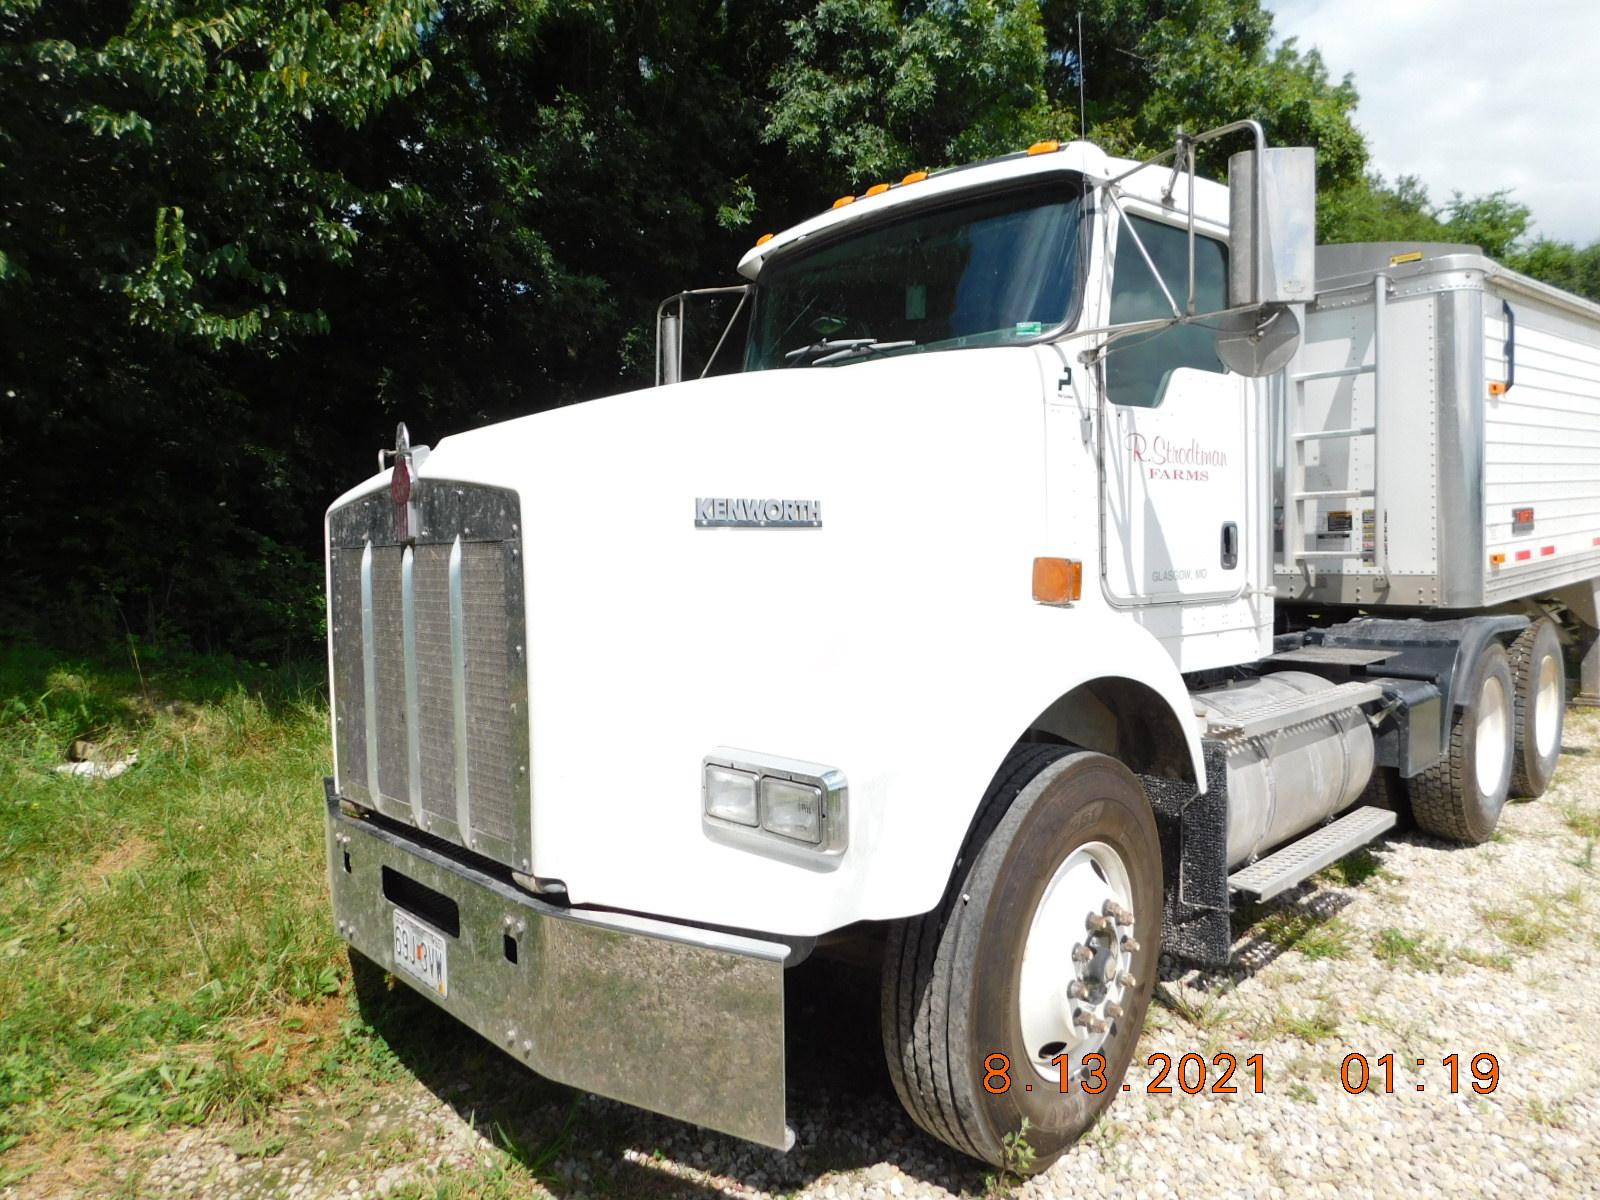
[(165, 951), (1354, 869), (1396, 949), (1301, 929), (1584, 822)]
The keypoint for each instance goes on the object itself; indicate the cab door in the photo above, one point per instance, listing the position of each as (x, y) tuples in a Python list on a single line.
[(1175, 434)]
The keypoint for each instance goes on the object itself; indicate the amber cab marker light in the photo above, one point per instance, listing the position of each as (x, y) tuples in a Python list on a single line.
[(1497, 560), (1497, 388), (763, 239), (1057, 580), (876, 189), (1046, 147), (915, 177), (843, 200)]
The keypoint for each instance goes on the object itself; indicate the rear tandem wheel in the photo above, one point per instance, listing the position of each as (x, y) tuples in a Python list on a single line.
[(1461, 796)]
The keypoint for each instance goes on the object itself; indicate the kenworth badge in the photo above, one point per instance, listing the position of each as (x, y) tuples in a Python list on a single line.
[(711, 512)]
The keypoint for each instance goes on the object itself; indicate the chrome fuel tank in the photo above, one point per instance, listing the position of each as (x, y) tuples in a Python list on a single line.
[(1284, 782)]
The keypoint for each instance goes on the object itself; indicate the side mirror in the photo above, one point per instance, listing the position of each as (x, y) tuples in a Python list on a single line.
[(1272, 211), (669, 349), (672, 320)]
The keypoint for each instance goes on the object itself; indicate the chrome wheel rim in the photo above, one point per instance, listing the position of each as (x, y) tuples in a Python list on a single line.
[(1077, 961), (1493, 738)]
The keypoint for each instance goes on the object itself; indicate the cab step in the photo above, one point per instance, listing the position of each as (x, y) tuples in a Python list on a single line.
[(1299, 860)]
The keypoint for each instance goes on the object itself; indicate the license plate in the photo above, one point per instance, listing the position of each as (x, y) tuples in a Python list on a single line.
[(420, 953)]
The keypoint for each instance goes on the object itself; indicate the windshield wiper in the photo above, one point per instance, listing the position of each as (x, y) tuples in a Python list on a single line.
[(861, 348), (805, 356)]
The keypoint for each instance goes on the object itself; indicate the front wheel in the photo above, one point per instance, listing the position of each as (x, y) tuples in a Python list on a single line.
[(1023, 994)]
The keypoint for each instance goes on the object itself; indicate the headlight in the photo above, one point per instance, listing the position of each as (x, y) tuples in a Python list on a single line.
[(791, 809), (782, 807), (731, 795)]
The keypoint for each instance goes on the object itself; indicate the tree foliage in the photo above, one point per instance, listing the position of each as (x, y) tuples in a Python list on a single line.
[(239, 240)]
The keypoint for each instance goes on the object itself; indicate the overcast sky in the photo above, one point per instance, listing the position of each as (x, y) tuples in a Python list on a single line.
[(1473, 95)]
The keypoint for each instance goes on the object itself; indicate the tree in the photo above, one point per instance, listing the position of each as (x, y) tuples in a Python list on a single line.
[(1151, 67), (238, 242), (164, 203), (873, 89)]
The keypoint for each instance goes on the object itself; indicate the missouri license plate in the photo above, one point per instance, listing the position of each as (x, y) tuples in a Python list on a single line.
[(420, 953)]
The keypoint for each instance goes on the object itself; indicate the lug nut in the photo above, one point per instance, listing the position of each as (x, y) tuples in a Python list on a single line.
[(1099, 924), (1081, 954), (1114, 1011), (1077, 990), (1130, 945), (1127, 980), (1096, 1025), (1117, 913)]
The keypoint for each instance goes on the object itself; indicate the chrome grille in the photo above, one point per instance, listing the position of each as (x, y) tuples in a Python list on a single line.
[(429, 670)]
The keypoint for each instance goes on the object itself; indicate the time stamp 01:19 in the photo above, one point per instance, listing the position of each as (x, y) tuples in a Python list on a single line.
[(1222, 1074)]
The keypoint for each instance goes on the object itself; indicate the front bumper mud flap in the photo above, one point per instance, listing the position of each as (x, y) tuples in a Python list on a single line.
[(679, 1020)]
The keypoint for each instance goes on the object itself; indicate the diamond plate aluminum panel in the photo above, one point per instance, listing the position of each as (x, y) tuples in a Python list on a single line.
[(349, 716), (492, 770), (434, 692), (429, 666)]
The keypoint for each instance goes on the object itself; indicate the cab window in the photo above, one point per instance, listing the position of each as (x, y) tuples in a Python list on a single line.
[(1139, 365)]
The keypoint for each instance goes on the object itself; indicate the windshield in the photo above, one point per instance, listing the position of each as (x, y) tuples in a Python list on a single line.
[(982, 272)]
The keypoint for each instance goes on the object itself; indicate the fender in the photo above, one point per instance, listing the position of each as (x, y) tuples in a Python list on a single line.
[(1034, 659)]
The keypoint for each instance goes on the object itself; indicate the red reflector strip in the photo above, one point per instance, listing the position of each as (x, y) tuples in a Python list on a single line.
[(1546, 551), (1524, 555), (1597, 541)]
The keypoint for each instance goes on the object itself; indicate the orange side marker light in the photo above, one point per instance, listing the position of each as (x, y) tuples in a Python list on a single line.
[(1057, 580)]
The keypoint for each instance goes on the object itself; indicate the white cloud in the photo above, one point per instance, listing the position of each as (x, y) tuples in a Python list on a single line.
[(1473, 95)]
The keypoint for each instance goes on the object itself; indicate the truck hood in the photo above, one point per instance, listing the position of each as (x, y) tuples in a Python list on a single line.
[(653, 641)]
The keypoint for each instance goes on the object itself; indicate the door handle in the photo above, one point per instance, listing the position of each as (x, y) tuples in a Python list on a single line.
[(1230, 545)]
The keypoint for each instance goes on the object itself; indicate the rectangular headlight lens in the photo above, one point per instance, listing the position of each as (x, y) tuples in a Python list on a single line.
[(731, 795), (792, 810)]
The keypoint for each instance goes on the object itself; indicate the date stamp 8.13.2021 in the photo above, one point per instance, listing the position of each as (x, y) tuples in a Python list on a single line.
[(1226, 1074)]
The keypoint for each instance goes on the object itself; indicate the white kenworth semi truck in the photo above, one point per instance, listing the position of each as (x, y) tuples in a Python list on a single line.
[(1078, 550)]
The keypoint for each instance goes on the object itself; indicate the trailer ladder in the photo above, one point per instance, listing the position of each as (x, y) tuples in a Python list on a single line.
[(1296, 438)]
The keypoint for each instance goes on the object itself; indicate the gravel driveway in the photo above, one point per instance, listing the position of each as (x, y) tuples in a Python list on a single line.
[(1417, 948)]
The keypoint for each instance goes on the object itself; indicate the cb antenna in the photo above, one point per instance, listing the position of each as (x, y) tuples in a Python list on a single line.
[(1083, 132)]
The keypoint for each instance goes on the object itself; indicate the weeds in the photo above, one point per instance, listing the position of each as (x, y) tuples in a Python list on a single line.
[(1312, 1027), (1583, 822), (1016, 1161), (1313, 936), (1354, 869), (155, 926), (1396, 949)]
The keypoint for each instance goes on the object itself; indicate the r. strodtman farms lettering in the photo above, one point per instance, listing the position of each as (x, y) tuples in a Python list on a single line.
[(713, 511), (1165, 459)]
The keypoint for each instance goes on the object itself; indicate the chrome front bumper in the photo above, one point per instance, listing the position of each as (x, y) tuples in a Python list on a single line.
[(679, 1020)]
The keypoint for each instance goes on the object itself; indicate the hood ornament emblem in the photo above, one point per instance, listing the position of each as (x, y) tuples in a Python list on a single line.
[(400, 480)]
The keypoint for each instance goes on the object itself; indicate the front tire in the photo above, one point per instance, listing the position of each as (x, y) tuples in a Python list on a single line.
[(1539, 678), (1461, 797), (1044, 945)]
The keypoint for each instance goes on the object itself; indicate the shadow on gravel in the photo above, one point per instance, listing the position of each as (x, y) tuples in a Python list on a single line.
[(840, 1099)]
